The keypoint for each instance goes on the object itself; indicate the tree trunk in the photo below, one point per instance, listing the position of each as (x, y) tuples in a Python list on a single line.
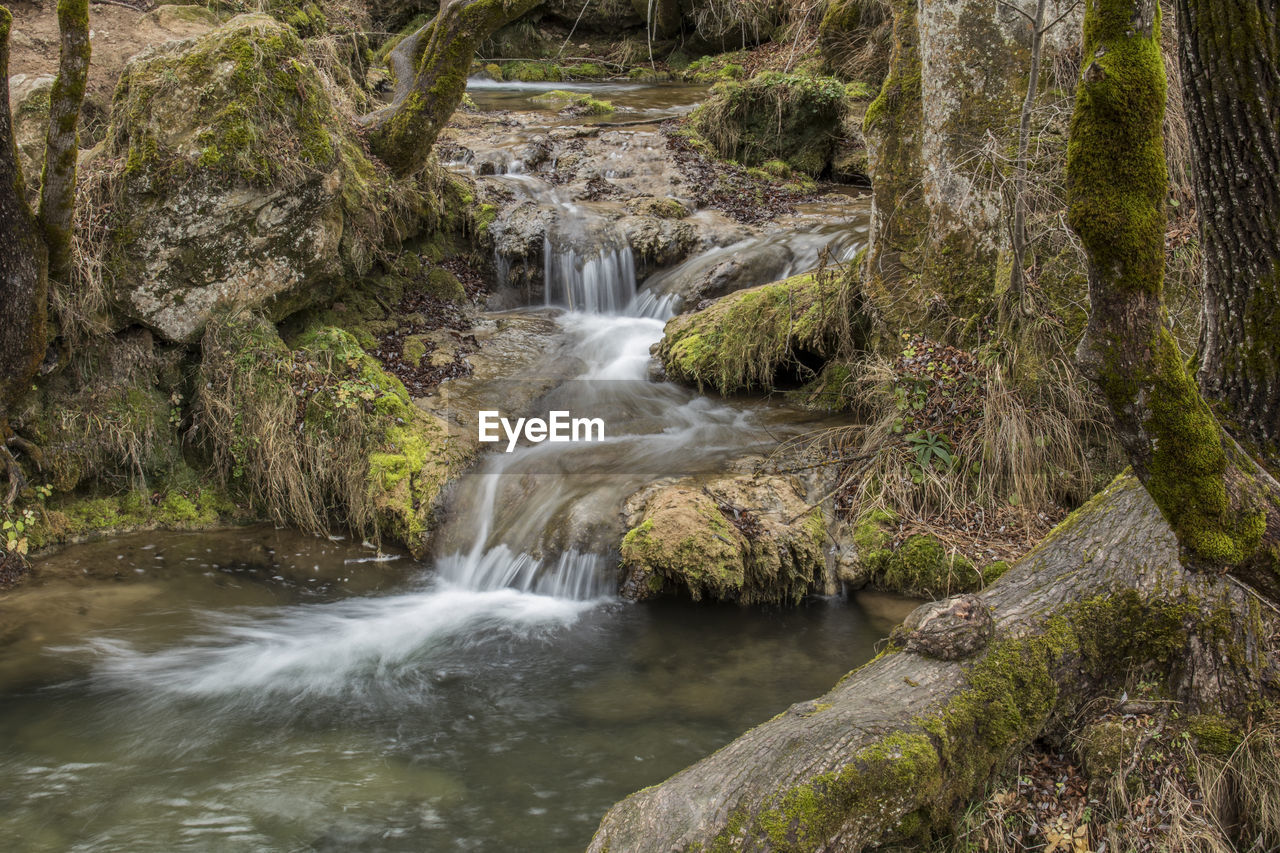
[(438, 55), (62, 145), (23, 274), (1230, 51), (1219, 501), (899, 745)]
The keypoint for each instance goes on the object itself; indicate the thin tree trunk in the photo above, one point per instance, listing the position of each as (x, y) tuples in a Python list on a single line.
[(894, 749), (62, 144), (23, 275), (1219, 501), (1017, 276), (440, 55), (1230, 52)]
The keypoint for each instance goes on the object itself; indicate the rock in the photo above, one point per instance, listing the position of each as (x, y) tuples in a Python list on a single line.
[(795, 118), (736, 538), (658, 242), (753, 338), (537, 152), (953, 629), (351, 448), (607, 16), (29, 106), (232, 178), (741, 270), (662, 208)]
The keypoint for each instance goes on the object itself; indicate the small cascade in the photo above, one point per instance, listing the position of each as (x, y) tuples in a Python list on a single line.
[(600, 283), (573, 574)]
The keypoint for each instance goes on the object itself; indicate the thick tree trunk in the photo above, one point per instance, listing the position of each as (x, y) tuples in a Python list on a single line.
[(62, 144), (23, 278), (898, 746), (1220, 502), (431, 66), (1230, 51)]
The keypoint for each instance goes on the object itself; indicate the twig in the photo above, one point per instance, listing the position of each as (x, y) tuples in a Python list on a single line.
[(573, 29)]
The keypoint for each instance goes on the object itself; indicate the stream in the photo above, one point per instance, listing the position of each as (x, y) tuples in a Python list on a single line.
[(258, 689)]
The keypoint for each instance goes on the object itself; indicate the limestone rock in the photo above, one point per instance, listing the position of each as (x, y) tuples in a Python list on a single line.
[(29, 106), (231, 177)]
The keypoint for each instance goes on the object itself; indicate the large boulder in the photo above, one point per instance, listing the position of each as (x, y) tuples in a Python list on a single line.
[(230, 176)]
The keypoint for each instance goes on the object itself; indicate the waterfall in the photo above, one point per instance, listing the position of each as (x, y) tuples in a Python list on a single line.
[(601, 283)]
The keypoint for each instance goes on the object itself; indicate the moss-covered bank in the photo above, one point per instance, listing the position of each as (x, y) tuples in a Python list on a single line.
[(319, 434)]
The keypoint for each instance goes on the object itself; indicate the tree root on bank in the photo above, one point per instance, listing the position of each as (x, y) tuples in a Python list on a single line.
[(899, 746)]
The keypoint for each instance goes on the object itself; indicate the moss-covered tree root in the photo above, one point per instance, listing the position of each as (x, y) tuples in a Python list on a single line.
[(895, 750), (431, 77)]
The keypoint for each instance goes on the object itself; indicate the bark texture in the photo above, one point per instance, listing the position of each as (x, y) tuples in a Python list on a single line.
[(23, 278), (891, 752), (431, 68), (1230, 53), (1220, 502), (938, 254), (62, 144)]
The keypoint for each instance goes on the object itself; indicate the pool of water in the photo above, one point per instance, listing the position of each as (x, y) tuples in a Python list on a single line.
[(257, 689)]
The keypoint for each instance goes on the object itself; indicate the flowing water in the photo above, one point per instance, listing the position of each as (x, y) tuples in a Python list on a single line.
[(261, 690)]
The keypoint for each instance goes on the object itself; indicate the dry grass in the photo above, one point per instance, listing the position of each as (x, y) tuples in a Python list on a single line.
[(1165, 795), (863, 54), (251, 414), (1032, 445)]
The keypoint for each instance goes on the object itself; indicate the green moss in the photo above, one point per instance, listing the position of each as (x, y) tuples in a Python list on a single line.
[(1117, 183), (577, 101), (532, 72), (262, 107), (1215, 735), (662, 208), (195, 506), (443, 284), (320, 433), (795, 118), (992, 572), (921, 566), (685, 543), (747, 339)]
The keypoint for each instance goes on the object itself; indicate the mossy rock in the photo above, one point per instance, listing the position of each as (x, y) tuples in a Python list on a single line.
[(443, 284), (532, 72), (751, 338), (237, 128), (795, 118), (742, 539), (190, 505), (578, 102)]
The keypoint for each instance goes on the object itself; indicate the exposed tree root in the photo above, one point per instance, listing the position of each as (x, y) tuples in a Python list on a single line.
[(894, 751)]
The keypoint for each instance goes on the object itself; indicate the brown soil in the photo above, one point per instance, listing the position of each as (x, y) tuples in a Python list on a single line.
[(117, 34)]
